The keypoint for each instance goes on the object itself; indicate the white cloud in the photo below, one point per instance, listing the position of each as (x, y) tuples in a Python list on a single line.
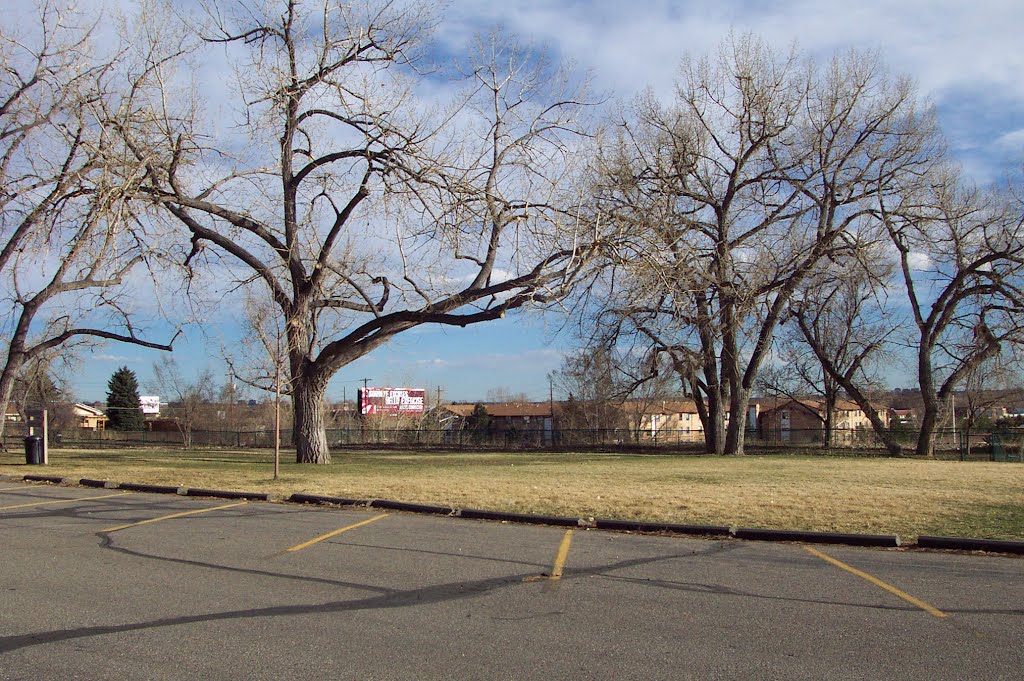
[(919, 261), (1012, 140), (117, 358), (965, 57), (944, 43), (435, 363)]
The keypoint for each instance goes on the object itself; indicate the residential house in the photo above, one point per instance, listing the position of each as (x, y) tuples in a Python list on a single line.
[(89, 418), (803, 420), (904, 417), (507, 419), (511, 415), (664, 420)]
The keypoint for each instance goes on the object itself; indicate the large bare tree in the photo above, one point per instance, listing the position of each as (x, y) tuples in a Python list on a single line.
[(356, 213), (762, 167), (70, 237), (961, 267)]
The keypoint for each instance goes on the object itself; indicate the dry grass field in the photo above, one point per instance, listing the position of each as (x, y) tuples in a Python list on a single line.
[(902, 496)]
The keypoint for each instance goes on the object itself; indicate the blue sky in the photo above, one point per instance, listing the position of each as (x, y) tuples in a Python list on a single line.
[(966, 57)]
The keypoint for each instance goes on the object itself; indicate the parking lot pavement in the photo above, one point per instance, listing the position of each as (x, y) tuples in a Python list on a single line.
[(144, 586)]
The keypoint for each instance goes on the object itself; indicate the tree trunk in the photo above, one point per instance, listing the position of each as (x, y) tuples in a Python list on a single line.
[(846, 382), (884, 434), (736, 431), (309, 430), (7, 377), (930, 417), (714, 425), (926, 440)]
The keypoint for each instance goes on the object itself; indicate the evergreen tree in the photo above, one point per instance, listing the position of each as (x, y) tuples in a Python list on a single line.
[(479, 423), (123, 407)]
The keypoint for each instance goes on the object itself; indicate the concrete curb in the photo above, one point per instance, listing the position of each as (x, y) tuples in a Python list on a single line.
[(320, 499), (226, 494), (966, 544), (155, 489), (105, 484), (526, 518), (880, 540), (673, 528), (747, 534), (55, 479), (412, 508)]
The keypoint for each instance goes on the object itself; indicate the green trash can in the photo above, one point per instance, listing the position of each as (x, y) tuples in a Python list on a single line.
[(34, 450)]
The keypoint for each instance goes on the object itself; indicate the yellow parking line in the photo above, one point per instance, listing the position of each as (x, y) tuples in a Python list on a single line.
[(173, 515), (934, 612), (335, 533), (559, 565), (64, 501), (563, 554)]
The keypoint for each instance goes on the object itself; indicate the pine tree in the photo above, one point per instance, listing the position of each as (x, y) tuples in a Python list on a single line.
[(479, 423), (123, 407)]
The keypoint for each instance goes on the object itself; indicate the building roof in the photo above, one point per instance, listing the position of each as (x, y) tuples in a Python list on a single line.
[(86, 410), (660, 407), (810, 404), (503, 409)]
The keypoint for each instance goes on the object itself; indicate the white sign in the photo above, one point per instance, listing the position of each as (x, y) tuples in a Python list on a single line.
[(392, 401), (150, 404)]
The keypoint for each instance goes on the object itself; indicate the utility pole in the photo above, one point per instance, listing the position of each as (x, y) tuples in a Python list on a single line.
[(277, 421), (366, 382), (231, 398), (551, 408), (359, 408)]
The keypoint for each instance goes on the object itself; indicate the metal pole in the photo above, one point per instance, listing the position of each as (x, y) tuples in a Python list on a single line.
[(46, 439), (551, 408), (362, 420), (277, 422)]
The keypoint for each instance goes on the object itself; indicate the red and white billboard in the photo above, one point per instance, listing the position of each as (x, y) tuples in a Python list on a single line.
[(392, 401)]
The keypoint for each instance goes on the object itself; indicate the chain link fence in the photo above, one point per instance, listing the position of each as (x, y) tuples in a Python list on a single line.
[(1006, 445)]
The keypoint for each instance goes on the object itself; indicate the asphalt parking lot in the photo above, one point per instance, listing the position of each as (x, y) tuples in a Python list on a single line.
[(103, 584)]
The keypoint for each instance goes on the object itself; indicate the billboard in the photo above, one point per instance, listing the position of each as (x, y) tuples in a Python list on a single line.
[(392, 401), (150, 404)]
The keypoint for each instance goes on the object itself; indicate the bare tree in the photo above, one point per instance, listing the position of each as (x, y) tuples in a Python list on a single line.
[(761, 169), (41, 384), (505, 394), (992, 384), (187, 399), (262, 362), (608, 389), (359, 216), (961, 261), (592, 389), (841, 329), (70, 239)]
